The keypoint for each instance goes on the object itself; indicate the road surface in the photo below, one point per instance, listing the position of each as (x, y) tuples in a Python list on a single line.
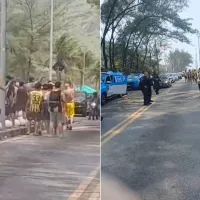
[(118, 109), (47, 168), (157, 154)]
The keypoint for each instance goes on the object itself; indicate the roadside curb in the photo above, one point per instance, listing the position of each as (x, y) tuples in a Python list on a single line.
[(12, 132)]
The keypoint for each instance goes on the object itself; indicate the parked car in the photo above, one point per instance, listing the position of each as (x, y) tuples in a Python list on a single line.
[(175, 76), (81, 103), (165, 81), (112, 84), (171, 78), (180, 75), (133, 81)]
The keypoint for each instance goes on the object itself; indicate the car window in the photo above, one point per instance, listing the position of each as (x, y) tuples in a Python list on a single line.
[(130, 76), (163, 77), (108, 78), (79, 96)]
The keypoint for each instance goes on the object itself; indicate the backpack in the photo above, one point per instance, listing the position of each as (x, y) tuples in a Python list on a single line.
[(55, 101)]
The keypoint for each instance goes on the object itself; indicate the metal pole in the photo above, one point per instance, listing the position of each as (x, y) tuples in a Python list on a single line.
[(3, 58), (84, 69), (51, 43), (199, 49)]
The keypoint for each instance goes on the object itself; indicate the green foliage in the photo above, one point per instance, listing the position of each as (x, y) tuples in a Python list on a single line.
[(179, 60), (135, 32), (29, 39)]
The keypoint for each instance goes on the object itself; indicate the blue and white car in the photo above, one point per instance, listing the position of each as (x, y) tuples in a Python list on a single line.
[(112, 84)]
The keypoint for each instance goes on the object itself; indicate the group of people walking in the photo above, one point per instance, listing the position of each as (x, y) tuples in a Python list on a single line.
[(46, 106), (192, 76)]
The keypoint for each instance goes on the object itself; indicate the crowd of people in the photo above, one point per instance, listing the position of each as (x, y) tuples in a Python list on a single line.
[(192, 76), (46, 106)]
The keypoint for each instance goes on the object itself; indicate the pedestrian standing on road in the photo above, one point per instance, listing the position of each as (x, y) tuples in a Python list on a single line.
[(198, 81), (56, 108), (68, 95), (156, 84), (21, 100), (145, 84), (11, 102), (34, 109), (185, 76), (46, 115), (150, 88), (190, 76)]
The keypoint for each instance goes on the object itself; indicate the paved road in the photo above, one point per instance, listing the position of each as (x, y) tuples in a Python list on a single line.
[(47, 168), (118, 109), (158, 155)]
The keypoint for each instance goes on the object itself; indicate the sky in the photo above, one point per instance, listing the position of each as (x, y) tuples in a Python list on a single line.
[(191, 12)]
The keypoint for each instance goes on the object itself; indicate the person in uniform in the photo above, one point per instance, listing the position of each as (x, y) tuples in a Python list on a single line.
[(145, 86), (156, 83)]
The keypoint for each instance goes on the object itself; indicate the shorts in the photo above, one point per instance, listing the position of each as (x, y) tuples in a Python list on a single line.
[(19, 107), (69, 110), (56, 117), (9, 109), (34, 116), (45, 113)]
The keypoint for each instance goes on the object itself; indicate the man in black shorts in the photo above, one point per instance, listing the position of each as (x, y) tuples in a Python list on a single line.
[(21, 99)]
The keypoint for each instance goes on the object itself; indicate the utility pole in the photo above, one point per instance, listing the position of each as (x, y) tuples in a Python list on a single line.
[(83, 70), (3, 59), (157, 57), (51, 43), (199, 48), (196, 62)]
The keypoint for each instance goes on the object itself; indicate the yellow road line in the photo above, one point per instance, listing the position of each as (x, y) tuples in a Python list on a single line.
[(122, 128), (120, 124), (84, 185), (96, 194), (116, 130)]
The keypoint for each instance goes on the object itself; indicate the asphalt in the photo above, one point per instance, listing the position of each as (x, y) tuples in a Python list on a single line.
[(118, 109), (158, 155), (47, 168)]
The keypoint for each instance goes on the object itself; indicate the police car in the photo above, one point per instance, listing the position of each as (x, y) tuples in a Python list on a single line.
[(134, 81), (112, 84)]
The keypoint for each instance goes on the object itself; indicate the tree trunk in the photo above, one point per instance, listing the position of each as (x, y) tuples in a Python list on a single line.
[(104, 53), (28, 70)]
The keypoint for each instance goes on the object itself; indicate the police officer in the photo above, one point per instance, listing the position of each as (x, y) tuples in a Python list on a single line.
[(145, 85), (150, 88)]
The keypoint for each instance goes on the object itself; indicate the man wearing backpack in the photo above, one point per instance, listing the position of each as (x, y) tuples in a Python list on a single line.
[(56, 107)]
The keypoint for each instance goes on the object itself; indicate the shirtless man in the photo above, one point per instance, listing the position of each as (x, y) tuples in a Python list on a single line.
[(68, 95)]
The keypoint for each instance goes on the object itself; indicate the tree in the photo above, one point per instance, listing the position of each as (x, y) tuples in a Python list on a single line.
[(28, 38), (131, 28), (75, 58), (179, 60)]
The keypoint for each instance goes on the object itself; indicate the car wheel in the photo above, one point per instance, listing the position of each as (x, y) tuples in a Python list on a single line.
[(103, 99)]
